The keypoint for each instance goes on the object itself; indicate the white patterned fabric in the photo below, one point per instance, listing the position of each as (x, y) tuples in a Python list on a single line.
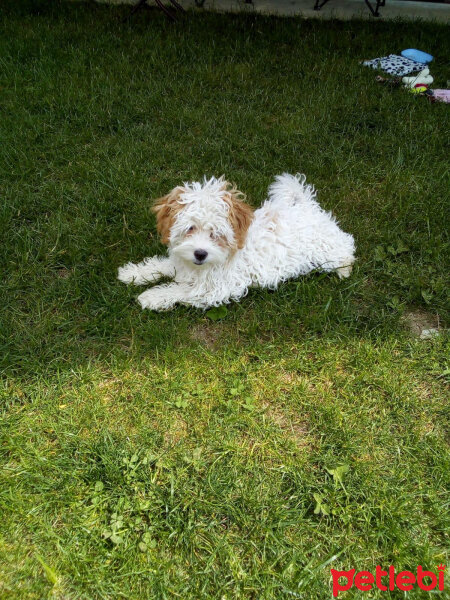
[(395, 64)]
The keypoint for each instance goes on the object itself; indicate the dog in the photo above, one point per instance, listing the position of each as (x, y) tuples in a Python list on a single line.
[(219, 247)]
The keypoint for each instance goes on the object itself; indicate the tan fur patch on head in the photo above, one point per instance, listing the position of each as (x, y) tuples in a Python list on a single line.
[(166, 209), (240, 214)]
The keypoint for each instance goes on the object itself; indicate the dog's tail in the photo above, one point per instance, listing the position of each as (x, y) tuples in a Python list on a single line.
[(292, 189)]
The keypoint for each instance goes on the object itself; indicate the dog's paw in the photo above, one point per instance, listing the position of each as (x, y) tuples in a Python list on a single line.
[(129, 273), (155, 299), (344, 272)]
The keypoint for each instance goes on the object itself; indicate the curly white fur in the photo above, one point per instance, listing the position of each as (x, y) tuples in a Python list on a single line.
[(288, 236)]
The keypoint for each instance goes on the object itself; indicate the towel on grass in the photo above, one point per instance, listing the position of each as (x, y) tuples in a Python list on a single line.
[(394, 64)]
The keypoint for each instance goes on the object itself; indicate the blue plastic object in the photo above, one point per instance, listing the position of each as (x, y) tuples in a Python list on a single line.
[(417, 55)]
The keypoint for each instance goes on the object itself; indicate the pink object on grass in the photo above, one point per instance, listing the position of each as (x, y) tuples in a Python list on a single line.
[(442, 95)]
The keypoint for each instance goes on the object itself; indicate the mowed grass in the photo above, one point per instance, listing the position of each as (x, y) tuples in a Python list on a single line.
[(169, 456)]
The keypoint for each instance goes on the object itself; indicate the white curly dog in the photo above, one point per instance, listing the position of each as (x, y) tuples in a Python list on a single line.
[(219, 247)]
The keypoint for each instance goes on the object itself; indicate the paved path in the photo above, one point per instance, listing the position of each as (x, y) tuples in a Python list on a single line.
[(340, 9)]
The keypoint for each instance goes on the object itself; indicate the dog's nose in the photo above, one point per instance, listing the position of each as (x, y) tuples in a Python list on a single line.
[(200, 255)]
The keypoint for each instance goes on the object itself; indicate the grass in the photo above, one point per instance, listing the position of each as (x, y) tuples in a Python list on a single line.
[(166, 455)]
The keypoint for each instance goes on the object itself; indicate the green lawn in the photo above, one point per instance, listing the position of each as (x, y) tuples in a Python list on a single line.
[(160, 456)]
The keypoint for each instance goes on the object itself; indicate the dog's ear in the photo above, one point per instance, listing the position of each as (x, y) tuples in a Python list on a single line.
[(240, 214), (166, 209)]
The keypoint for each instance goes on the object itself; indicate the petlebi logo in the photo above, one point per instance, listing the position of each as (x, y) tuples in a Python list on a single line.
[(388, 580)]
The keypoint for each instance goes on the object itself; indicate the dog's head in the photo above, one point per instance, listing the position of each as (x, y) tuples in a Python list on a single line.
[(203, 223)]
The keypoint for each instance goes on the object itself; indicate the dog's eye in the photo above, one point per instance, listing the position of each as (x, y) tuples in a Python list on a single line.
[(191, 229)]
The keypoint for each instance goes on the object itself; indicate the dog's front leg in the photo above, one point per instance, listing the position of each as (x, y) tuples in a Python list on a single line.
[(164, 297), (147, 271)]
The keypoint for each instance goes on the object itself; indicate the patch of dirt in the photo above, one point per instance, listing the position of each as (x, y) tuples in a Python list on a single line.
[(419, 320), (207, 334), (63, 273), (110, 389), (295, 430), (287, 377), (176, 431), (107, 384)]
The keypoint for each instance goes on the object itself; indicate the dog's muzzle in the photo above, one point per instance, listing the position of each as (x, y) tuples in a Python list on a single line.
[(200, 256)]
